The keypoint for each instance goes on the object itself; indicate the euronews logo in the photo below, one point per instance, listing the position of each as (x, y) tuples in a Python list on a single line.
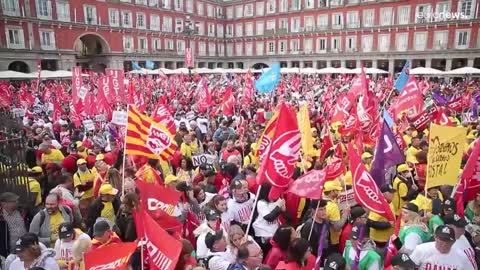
[(440, 16)]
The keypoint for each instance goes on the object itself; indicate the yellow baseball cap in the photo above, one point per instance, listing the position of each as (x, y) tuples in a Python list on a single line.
[(107, 189), (100, 157), (81, 161), (254, 146), (79, 144), (170, 178), (366, 155), (332, 185), (403, 168), (36, 169)]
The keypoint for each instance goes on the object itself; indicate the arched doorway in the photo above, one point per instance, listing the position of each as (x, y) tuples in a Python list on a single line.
[(19, 66), (260, 66), (90, 49)]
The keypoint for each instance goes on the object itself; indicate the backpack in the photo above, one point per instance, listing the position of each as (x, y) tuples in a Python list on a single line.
[(66, 209)]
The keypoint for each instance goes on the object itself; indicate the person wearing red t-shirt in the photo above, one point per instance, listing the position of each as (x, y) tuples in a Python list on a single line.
[(230, 151), (358, 216)]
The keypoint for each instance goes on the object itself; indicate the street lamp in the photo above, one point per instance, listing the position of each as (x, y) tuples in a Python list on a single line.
[(190, 30)]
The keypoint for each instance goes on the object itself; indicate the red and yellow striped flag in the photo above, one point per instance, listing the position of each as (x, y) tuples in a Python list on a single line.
[(148, 138)]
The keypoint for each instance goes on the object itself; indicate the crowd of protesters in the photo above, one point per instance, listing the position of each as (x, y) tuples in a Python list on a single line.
[(83, 198)]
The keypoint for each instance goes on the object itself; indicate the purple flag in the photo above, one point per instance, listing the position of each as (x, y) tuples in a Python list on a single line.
[(359, 247), (321, 243), (474, 108), (387, 154), (441, 100)]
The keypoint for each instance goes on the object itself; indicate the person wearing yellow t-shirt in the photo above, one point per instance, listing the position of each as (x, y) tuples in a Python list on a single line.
[(367, 160), (81, 149), (105, 206), (83, 181), (35, 174), (50, 155), (252, 157), (337, 219), (406, 190), (469, 141), (188, 148), (413, 150), (149, 172), (380, 227), (425, 204)]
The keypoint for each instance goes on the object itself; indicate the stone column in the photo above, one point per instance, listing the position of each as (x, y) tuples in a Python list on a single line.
[(470, 62), (329, 63), (448, 64), (428, 62), (343, 63), (374, 63), (358, 64), (391, 66)]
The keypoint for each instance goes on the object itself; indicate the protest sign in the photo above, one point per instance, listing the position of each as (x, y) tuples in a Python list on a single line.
[(346, 199), (18, 112), (100, 118), (119, 118), (89, 125), (203, 159), (444, 155)]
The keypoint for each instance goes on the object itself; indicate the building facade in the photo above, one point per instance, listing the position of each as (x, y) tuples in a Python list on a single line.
[(239, 33)]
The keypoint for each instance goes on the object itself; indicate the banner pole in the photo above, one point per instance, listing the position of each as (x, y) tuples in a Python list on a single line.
[(125, 156), (253, 210), (141, 256), (313, 220)]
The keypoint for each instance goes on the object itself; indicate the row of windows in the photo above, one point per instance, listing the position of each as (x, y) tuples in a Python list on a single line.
[(15, 40), (465, 7), (44, 8), (178, 46)]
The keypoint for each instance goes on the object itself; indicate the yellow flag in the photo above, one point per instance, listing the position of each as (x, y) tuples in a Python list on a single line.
[(305, 129), (444, 155)]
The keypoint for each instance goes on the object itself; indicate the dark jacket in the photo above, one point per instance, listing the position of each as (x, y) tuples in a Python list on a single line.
[(126, 226), (95, 210), (315, 237)]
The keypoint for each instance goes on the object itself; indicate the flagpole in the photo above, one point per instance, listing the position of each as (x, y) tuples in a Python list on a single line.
[(253, 210), (313, 219), (125, 155), (141, 255)]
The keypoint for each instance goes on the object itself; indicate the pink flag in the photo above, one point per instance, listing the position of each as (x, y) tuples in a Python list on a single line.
[(116, 85)]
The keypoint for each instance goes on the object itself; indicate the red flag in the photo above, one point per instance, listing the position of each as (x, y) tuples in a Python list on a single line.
[(350, 124), (57, 111), (410, 99), (116, 85), (228, 102), (163, 116), (309, 185), (203, 96), (162, 249), (154, 197), (456, 105), (391, 249), (115, 256), (357, 87), (469, 183), (284, 150), (442, 118), (335, 168), (76, 82), (191, 223), (326, 141), (366, 190), (103, 99)]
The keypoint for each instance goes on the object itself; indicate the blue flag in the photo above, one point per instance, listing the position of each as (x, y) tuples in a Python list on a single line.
[(403, 78), (136, 66), (387, 154), (387, 118), (269, 79), (149, 64)]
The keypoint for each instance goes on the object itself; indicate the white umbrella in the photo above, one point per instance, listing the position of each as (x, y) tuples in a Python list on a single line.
[(9, 74), (308, 70), (425, 71), (369, 71), (328, 70), (463, 71)]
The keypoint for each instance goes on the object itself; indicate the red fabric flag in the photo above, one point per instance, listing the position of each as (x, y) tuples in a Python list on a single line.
[(357, 86), (366, 190), (469, 183), (154, 197), (90, 105), (335, 168), (162, 249), (350, 124), (309, 185), (103, 98), (456, 105), (326, 141), (391, 249), (410, 99), (342, 107), (162, 115), (191, 223), (228, 102), (115, 256), (116, 85), (277, 169), (203, 96), (76, 82), (57, 111), (442, 118)]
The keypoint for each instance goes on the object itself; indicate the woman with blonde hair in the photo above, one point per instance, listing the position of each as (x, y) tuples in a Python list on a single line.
[(236, 237), (414, 231), (114, 178)]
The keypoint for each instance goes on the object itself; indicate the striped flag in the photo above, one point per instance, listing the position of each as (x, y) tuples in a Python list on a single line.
[(148, 138)]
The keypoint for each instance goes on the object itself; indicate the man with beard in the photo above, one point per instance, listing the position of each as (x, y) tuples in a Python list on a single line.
[(46, 222), (83, 181), (230, 150), (240, 204)]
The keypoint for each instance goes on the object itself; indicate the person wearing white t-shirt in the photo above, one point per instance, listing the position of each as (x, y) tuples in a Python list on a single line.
[(458, 224), (266, 223), (240, 206), (219, 255), (440, 254), (212, 223), (67, 235)]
